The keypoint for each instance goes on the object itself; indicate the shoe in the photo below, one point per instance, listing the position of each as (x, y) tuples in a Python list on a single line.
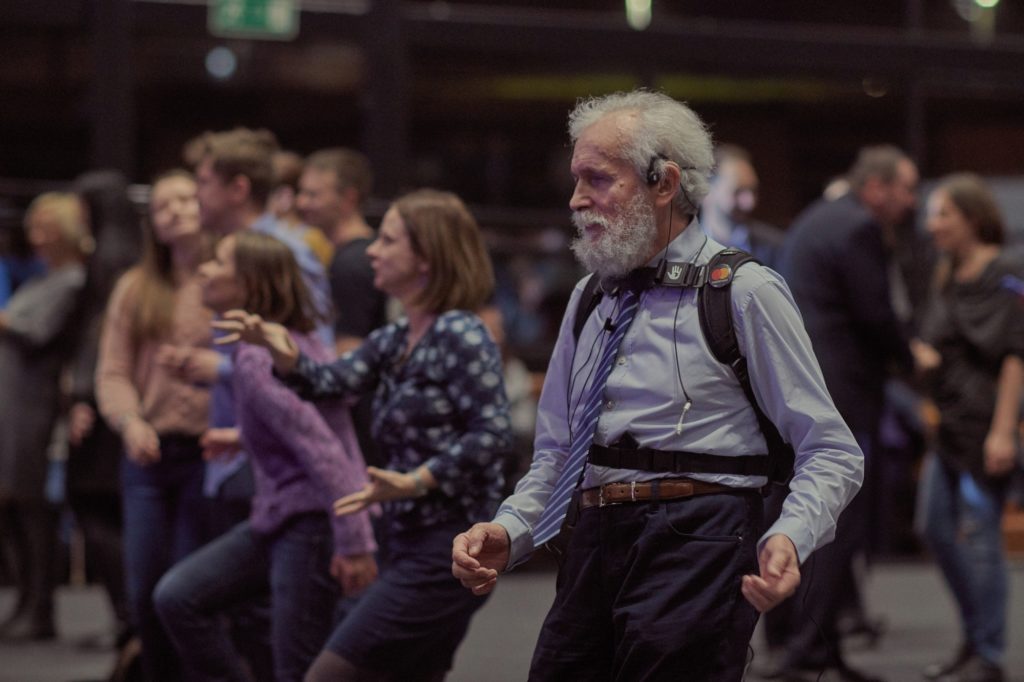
[(17, 614), (841, 672), (769, 665), (975, 669), (934, 671), (848, 674), (27, 628), (97, 641), (867, 630)]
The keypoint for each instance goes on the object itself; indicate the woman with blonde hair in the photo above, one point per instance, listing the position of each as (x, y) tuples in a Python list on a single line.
[(34, 345), (157, 412), (440, 415), (972, 352)]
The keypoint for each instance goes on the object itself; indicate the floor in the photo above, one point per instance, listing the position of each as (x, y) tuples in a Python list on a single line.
[(909, 597)]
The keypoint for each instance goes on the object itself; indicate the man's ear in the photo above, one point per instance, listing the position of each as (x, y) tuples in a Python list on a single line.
[(241, 188), (667, 187)]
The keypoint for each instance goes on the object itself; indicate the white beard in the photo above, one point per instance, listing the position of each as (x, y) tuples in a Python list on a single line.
[(624, 242)]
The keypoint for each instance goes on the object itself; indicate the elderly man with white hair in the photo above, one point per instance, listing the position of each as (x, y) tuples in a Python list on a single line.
[(654, 439)]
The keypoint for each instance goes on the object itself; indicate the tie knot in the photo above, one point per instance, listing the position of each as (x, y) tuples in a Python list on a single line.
[(636, 281)]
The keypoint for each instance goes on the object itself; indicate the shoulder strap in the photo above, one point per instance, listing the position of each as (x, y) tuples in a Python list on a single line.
[(714, 305), (589, 299)]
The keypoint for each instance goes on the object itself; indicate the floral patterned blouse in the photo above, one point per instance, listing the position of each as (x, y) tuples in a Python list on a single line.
[(444, 405)]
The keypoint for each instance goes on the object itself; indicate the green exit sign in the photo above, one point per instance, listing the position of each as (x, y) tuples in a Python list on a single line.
[(261, 19)]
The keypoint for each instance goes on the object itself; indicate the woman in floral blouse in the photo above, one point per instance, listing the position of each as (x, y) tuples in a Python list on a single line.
[(441, 418)]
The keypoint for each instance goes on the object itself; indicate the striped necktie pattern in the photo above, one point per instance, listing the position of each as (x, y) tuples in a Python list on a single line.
[(558, 504)]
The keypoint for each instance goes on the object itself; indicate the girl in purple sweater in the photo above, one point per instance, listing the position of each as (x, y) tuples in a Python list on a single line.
[(304, 458)]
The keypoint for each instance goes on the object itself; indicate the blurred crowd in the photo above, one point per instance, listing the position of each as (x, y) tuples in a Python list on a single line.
[(204, 489)]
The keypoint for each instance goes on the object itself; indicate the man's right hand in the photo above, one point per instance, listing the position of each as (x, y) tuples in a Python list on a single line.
[(479, 554)]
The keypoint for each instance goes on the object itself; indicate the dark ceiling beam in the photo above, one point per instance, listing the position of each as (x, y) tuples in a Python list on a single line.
[(573, 40), (601, 40), (49, 13)]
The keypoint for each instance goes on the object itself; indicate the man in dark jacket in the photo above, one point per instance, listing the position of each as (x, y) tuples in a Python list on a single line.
[(835, 262)]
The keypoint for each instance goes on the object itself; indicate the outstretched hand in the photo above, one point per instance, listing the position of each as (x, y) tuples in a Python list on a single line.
[(779, 578), (479, 554), (253, 329), (384, 485)]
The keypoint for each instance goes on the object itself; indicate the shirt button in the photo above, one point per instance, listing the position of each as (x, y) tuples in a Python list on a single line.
[(621, 361), (610, 405)]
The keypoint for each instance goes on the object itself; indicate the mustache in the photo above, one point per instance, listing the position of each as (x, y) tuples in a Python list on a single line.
[(581, 219)]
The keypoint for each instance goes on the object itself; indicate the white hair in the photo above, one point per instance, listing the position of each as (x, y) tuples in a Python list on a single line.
[(665, 130), (624, 242)]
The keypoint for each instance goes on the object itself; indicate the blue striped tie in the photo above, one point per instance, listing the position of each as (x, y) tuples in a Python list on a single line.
[(554, 512)]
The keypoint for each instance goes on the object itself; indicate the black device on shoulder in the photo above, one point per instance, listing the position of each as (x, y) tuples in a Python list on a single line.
[(714, 303)]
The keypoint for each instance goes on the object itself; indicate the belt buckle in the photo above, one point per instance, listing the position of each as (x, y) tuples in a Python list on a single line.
[(602, 501), (632, 491)]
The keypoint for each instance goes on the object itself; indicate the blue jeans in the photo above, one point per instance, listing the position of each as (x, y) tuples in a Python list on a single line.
[(163, 522), (241, 565), (961, 525), (651, 591)]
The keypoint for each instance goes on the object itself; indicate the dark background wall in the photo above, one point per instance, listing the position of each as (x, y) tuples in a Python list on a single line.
[(472, 95)]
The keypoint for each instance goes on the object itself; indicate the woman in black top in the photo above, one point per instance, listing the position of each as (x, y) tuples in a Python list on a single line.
[(972, 350)]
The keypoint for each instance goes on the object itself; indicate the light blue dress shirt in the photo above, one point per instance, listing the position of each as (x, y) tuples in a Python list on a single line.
[(665, 348)]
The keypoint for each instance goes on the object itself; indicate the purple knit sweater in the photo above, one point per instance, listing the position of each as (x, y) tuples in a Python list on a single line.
[(304, 456)]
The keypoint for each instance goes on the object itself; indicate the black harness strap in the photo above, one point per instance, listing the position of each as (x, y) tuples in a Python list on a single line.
[(678, 461), (714, 301), (589, 299), (715, 311)]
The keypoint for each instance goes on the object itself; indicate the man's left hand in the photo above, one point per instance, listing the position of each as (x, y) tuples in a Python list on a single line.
[(780, 574)]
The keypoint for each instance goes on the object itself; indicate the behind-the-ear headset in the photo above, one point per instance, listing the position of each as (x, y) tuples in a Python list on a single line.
[(654, 173), (654, 169)]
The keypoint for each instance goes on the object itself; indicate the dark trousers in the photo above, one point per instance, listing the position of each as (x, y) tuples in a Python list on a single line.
[(31, 528), (651, 591), (98, 516), (163, 523)]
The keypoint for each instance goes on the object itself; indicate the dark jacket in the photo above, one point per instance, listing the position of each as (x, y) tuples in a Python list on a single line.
[(834, 261)]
